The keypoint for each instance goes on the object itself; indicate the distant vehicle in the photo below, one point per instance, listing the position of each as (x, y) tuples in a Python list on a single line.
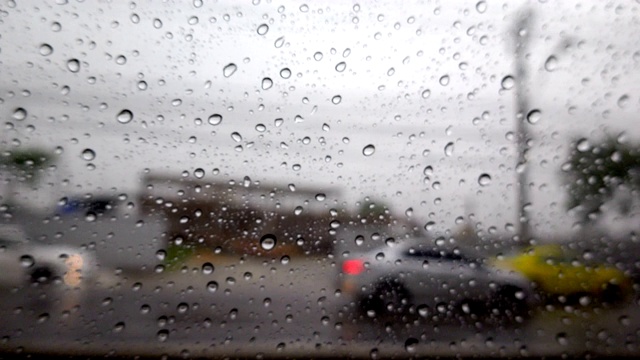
[(558, 272), (420, 278), (26, 264)]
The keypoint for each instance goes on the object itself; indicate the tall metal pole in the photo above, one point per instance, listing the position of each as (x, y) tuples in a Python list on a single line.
[(521, 36)]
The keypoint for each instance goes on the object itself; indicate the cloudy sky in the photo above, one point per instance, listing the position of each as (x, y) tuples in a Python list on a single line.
[(409, 78)]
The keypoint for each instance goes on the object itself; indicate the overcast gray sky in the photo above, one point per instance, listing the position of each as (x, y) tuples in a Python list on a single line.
[(417, 76)]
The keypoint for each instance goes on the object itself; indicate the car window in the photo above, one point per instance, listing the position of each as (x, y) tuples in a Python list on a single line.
[(280, 179)]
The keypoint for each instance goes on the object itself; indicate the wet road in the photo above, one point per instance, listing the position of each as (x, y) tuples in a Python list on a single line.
[(266, 308)]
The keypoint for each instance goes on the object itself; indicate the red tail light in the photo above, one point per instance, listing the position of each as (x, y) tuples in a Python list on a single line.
[(353, 267)]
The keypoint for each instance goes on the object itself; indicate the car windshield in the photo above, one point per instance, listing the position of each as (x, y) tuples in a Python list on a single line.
[(291, 179)]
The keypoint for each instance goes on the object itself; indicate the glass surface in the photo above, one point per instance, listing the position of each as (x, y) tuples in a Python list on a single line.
[(320, 179)]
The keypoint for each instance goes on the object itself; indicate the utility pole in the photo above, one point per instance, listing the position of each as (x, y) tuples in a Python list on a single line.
[(521, 33)]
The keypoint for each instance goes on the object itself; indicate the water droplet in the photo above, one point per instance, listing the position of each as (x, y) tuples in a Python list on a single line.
[(56, 26), (161, 255), (285, 73), (551, 63), (27, 261), (508, 82), (119, 327), (534, 116), (561, 338), (410, 345), (298, 210), (448, 149), (368, 150), (236, 136), (261, 128), (125, 116), (279, 42), (341, 66), (268, 242), (198, 173), (212, 286), (90, 216), (263, 29), (229, 70), (88, 154), (267, 83), (317, 56), (121, 60), (73, 65), (425, 94), (359, 240), (304, 8), (583, 145), (215, 119), (336, 99), (142, 85), (484, 179), (444, 80), (481, 7), (321, 197), (46, 50), (162, 335), (207, 268), (157, 23), (19, 114), (623, 101)]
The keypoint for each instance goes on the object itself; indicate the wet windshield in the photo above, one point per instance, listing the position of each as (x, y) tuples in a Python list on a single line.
[(319, 179)]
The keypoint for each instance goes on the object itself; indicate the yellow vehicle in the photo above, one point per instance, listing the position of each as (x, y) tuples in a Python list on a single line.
[(557, 272)]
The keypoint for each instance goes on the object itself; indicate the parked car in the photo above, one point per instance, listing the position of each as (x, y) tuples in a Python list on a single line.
[(559, 272), (63, 272), (417, 277)]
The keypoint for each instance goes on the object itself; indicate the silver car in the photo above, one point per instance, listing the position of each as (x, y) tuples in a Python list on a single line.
[(416, 277)]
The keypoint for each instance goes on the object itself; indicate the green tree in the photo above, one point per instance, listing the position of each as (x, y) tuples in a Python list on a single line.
[(597, 171), (23, 166)]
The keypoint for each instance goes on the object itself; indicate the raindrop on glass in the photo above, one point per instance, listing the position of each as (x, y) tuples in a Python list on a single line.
[(73, 65), (285, 73), (125, 116), (444, 80), (88, 154), (508, 82), (481, 7), (268, 242), (534, 116), (27, 260), (317, 56), (19, 114), (336, 99), (46, 50), (214, 119), (198, 173), (484, 179), (623, 101), (448, 149), (279, 42), (267, 83), (368, 150), (207, 268), (341, 66), (551, 63), (425, 94), (229, 70), (212, 286), (263, 29)]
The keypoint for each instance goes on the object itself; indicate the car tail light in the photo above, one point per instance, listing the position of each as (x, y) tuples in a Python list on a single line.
[(353, 266)]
